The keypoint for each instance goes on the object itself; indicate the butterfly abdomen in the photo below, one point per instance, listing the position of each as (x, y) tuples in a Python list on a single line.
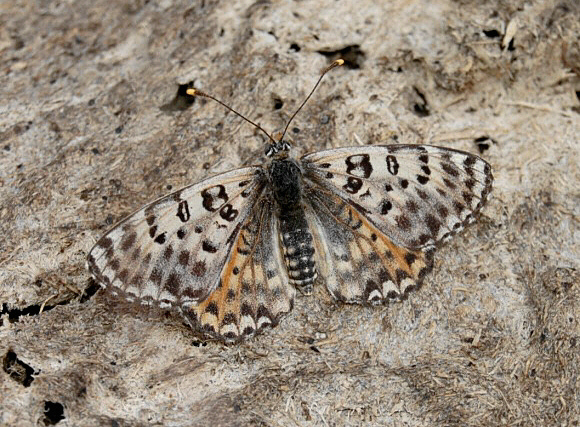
[(295, 236), (298, 249)]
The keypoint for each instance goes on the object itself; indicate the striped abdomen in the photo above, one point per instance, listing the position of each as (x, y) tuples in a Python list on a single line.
[(298, 249)]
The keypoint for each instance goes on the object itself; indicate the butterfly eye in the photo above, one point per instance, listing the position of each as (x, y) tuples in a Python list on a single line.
[(271, 150)]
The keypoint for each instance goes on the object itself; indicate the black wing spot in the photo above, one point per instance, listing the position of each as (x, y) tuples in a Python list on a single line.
[(392, 165), (410, 258), (422, 194), (366, 193), (449, 184), (468, 197), (450, 169), (412, 206), (247, 310), (173, 284), (422, 179), (403, 222), (401, 275), (228, 212), (469, 161), (458, 208), (214, 197), (442, 211), (105, 242), (128, 241), (229, 318), (359, 165), (161, 238), (264, 312), (208, 246), (386, 206), (115, 264), (168, 252), (424, 238), (433, 223), (353, 185), (199, 268), (183, 211), (384, 276), (183, 257), (156, 276), (212, 308)]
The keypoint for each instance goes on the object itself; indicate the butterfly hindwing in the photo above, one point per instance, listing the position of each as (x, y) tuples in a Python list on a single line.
[(358, 262), (254, 289), (416, 195), (173, 250)]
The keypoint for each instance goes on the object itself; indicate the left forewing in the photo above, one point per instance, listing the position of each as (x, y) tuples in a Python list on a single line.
[(173, 250)]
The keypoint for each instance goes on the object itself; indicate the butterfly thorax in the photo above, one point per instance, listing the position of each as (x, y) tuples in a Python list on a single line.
[(297, 244)]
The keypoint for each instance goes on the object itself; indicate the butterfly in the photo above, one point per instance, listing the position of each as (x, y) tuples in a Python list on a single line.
[(230, 252)]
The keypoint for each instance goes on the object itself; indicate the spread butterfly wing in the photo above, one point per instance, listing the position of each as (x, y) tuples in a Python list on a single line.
[(254, 289), (173, 250), (416, 195), (359, 263)]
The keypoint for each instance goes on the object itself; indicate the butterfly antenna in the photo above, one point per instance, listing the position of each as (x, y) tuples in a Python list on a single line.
[(336, 63), (196, 92)]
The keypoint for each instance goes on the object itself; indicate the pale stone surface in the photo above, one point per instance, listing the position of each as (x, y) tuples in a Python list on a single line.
[(89, 132)]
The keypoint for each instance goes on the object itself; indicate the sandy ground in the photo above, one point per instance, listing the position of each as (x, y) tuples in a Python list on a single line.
[(94, 123)]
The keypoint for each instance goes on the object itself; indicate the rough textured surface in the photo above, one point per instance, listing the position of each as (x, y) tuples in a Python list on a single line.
[(94, 124)]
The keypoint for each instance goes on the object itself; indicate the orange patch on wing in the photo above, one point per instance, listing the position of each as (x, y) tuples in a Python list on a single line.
[(393, 257)]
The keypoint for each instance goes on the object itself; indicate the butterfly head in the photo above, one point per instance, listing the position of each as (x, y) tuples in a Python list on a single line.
[(278, 147)]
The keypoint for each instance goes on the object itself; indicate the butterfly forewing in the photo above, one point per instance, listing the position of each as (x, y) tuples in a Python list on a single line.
[(174, 250), (416, 195)]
